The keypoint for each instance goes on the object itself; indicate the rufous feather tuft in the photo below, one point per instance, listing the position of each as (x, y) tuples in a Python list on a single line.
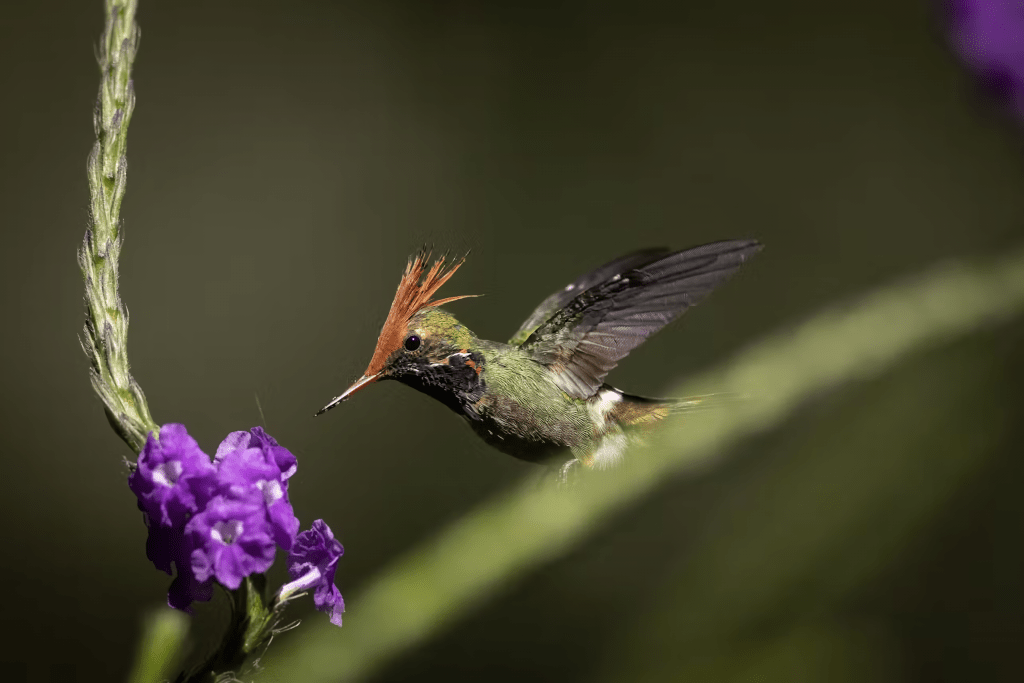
[(414, 291)]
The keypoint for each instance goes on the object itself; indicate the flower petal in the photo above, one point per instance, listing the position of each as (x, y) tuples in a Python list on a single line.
[(317, 548)]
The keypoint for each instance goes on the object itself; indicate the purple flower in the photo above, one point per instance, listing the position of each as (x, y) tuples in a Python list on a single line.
[(186, 588), (231, 540), (311, 564), (253, 460), (174, 478), (284, 459), (174, 481), (164, 545), (167, 548), (989, 36), (217, 520)]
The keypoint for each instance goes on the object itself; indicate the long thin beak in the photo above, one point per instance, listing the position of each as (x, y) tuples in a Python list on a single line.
[(359, 384)]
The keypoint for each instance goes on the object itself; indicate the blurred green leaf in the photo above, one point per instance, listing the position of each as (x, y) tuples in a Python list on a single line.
[(810, 653), (526, 527), (840, 503), (163, 632)]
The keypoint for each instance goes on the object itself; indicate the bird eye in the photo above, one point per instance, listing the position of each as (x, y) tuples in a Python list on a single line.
[(412, 343)]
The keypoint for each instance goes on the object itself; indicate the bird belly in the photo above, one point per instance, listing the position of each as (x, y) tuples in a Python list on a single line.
[(531, 430), (523, 447)]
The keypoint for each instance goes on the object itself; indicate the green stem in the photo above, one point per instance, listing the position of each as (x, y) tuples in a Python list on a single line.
[(106, 326), (250, 629)]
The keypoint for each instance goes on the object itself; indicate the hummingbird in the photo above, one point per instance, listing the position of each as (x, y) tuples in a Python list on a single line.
[(542, 397)]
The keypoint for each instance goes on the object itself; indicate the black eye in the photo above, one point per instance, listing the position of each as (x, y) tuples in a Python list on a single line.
[(412, 343)]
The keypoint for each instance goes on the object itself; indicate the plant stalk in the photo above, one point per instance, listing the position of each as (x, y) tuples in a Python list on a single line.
[(105, 340)]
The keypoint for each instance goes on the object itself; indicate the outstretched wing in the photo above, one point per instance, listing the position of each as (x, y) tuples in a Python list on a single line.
[(559, 299), (586, 338)]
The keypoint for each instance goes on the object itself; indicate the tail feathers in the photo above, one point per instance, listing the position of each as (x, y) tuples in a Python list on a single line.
[(639, 411)]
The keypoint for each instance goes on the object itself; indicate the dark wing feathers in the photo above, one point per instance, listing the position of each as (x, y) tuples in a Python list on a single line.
[(592, 332), (556, 301)]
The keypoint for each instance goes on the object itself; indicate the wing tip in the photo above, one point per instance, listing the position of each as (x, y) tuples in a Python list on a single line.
[(744, 246)]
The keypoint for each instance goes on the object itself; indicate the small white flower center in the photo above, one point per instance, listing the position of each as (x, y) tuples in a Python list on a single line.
[(168, 473), (271, 490), (227, 531)]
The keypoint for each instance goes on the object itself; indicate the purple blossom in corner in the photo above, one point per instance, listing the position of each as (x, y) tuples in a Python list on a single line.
[(989, 36), (311, 564), (253, 460), (231, 540), (174, 478)]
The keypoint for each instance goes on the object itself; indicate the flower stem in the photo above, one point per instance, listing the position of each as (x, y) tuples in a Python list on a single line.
[(251, 627), (106, 325)]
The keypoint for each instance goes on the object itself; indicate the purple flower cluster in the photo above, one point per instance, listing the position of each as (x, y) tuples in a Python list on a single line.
[(989, 36), (223, 519)]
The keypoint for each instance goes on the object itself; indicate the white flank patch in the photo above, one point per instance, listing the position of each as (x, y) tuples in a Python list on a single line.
[(605, 401), (609, 452)]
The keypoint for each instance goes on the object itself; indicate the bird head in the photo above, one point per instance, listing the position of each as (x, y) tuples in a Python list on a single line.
[(417, 335)]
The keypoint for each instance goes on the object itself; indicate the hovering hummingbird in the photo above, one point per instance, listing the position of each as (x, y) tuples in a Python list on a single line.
[(542, 395)]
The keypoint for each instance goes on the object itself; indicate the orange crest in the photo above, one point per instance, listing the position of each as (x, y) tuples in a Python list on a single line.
[(413, 295)]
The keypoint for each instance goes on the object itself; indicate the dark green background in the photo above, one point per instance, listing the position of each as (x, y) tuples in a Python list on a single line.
[(285, 158)]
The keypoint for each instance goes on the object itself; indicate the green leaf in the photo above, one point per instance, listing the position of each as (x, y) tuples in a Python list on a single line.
[(842, 499), (163, 632)]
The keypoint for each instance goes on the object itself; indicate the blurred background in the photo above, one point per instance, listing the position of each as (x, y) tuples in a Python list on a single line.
[(284, 160)]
